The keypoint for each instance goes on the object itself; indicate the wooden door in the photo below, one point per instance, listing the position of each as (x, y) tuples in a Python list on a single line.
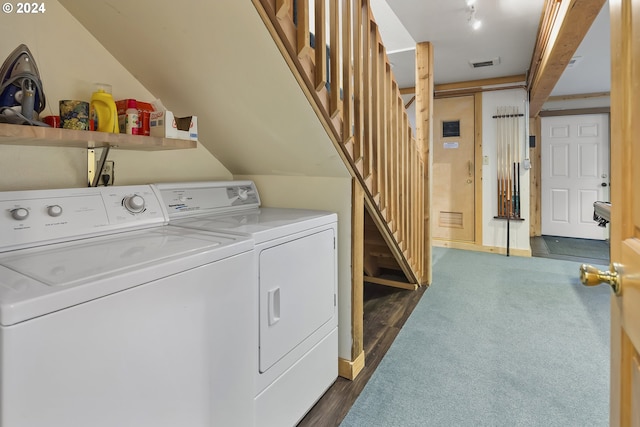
[(453, 191), (575, 166), (625, 211)]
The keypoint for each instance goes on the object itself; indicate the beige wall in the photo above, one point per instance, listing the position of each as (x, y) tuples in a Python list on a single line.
[(331, 194), (217, 59), (70, 60)]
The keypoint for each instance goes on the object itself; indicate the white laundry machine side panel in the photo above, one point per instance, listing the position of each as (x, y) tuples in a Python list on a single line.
[(286, 401), (297, 281), (177, 351)]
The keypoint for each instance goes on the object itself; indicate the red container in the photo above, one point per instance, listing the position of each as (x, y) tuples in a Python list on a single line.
[(53, 121), (144, 118)]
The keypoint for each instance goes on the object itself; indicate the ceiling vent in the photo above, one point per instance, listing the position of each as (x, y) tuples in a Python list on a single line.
[(485, 63)]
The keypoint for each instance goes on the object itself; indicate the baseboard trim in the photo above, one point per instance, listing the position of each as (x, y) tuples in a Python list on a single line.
[(479, 248), (350, 369)]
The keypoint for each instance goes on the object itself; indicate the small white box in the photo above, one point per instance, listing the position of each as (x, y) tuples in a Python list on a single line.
[(164, 124)]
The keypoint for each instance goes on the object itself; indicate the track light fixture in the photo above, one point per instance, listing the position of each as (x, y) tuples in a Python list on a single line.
[(473, 21)]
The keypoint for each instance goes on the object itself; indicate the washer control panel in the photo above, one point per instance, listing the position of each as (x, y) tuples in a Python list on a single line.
[(36, 217), (134, 203)]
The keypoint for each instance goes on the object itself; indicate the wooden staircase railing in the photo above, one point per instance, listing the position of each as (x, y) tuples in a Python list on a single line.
[(338, 54)]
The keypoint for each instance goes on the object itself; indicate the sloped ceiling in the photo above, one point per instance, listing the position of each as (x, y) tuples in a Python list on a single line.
[(216, 60)]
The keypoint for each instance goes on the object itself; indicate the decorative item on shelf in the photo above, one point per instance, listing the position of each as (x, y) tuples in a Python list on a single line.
[(74, 114)]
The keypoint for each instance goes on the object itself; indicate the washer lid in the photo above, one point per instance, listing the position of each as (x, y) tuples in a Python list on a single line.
[(40, 280), (262, 224)]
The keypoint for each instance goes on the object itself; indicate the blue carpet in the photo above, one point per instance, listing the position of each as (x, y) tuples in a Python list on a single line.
[(496, 341)]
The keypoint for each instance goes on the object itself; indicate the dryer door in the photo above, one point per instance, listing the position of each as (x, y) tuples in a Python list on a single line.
[(297, 293)]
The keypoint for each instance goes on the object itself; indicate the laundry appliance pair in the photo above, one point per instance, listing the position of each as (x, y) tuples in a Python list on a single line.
[(175, 304)]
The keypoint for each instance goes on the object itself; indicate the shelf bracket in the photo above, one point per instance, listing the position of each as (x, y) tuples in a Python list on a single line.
[(94, 170)]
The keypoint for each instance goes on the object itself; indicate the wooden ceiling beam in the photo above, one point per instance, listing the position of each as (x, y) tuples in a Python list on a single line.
[(579, 96), (562, 28), (476, 85)]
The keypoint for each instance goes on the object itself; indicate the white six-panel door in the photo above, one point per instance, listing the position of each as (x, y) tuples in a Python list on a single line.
[(575, 173)]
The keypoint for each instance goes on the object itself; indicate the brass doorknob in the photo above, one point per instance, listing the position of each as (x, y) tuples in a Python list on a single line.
[(591, 276)]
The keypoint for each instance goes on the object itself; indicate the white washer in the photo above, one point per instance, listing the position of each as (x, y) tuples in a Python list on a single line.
[(296, 298), (108, 317)]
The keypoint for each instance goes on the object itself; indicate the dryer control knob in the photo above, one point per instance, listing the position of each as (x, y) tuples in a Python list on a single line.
[(134, 204), (54, 210), (243, 194), (19, 214)]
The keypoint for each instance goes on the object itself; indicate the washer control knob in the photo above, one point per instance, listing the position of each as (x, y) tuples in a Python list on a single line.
[(54, 210), (243, 194), (19, 214), (134, 204)]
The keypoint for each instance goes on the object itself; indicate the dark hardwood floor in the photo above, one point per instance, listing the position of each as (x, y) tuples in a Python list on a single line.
[(385, 311), (540, 249)]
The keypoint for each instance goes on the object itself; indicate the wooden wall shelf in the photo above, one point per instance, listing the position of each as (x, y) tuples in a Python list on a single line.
[(54, 137), (511, 218)]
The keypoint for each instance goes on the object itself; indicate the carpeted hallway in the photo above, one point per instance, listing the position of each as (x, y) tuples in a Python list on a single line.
[(496, 341)]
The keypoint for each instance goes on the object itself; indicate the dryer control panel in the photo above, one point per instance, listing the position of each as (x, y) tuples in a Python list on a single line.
[(36, 217), (195, 198)]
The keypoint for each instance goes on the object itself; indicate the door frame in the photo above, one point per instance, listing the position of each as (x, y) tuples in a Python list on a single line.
[(574, 113), (535, 154)]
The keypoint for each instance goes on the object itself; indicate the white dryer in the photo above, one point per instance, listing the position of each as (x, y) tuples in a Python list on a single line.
[(296, 296), (108, 317)]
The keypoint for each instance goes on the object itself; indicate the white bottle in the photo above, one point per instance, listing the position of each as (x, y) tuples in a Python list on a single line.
[(131, 120)]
